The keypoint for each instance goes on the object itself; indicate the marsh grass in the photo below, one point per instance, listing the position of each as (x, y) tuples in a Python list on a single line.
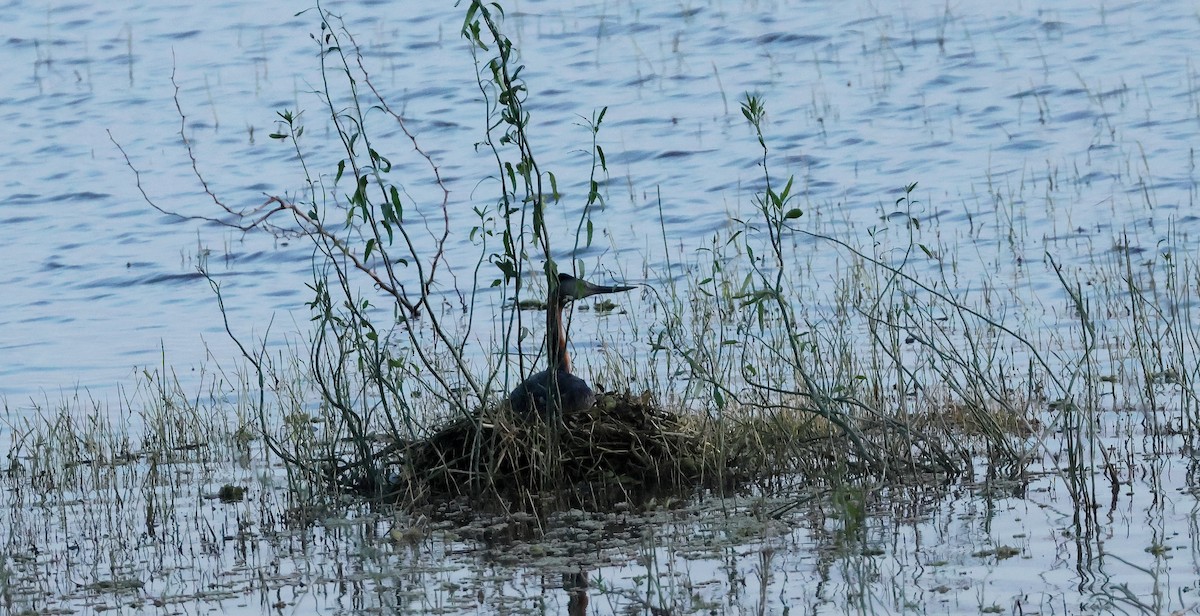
[(91, 494), (898, 374), (826, 400), (897, 369)]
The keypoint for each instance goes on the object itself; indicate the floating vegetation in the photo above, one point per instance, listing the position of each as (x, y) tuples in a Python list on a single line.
[(624, 448)]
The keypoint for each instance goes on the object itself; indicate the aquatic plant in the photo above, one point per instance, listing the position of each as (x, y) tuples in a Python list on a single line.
[(830, 397), (762, 385), (388, 357), (391, 323)]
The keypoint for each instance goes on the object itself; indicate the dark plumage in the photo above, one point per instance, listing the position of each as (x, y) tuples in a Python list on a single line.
[(533, 394)]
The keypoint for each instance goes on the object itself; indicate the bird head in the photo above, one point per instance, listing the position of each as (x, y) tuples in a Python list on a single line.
[(571, 288)]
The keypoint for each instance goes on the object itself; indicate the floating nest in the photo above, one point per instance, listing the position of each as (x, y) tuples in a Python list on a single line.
[(623, 448)]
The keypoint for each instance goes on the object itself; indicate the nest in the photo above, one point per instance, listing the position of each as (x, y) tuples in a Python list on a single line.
[(622, 448)]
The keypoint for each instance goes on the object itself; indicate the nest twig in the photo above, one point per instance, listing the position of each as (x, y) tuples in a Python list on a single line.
[(623, 447)]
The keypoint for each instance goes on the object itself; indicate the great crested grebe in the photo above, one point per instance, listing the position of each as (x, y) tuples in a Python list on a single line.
[(554, 392)]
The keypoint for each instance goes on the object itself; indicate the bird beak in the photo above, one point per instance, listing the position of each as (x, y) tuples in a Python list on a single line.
[(573, 288)]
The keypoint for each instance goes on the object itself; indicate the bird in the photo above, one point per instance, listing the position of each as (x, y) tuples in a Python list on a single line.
[(555, 392)]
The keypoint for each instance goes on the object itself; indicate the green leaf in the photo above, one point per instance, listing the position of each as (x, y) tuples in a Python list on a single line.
[(370, 247), (512, 174), (278, 136), (787, 190), (793, 213), (389, 216), (469, 20), (397, 205), (718, 398), (340, 171), (359, 198), (381, 162), (507, 268)]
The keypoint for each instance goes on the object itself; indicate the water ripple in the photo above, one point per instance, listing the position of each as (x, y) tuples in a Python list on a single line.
[(976, 104)]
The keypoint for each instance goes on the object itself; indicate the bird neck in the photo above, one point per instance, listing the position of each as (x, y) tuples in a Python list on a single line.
[(556, 336)]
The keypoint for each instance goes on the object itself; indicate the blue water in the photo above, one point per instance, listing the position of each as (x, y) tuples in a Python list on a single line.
[(1070, 123), (1057, 127)]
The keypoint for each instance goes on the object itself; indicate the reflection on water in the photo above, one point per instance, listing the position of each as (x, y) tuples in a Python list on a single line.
[(144, 534), (1062, 128)]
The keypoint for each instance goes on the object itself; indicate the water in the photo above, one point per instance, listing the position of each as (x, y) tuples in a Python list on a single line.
[(1063, 127), (984, 545)]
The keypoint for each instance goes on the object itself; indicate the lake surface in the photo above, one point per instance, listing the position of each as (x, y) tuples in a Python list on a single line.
[(1063, 128), (1059, 127), (135, 537)]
